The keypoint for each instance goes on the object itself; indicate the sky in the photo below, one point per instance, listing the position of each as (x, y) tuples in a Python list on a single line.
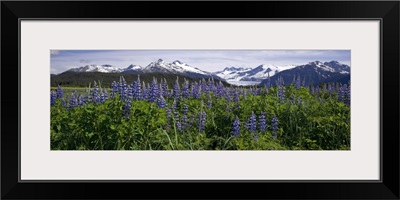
[(207, 60)]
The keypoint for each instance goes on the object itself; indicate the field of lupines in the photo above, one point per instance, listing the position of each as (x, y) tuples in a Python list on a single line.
[(203, 115)]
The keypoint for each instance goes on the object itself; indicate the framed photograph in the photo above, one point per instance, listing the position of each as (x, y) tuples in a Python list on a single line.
[(279, 100)]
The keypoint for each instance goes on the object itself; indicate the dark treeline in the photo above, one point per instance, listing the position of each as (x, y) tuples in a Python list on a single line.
[(83, 79)]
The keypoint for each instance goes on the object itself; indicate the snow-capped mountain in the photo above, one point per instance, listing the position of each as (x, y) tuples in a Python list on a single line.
[(133, 67), (314, 73), (339, 67), (159, 66), (98, 68), (174, 67), (233, 74), (177, 67)]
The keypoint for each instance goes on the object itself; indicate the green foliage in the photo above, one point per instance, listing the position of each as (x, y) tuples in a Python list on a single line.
[(306, 122)]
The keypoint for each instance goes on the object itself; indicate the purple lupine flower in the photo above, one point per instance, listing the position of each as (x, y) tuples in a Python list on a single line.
[(144, 91), (161, 102), (228, 98), (96, 96), (102, 97), (274, 126), (176, 91), (73, 101), (280, 81), (231, 91), (63, 103), (202, 121), (138, 90), (133, 90), (60, 92), (210, 84), (127, 107), (176, 119), (236, 127), (122, 85), (204, 85), (153, 91), (197, 90), (160, 89), (128, 92), (179, 126), (185, 109), (193, 88), (114, 89), (262, 122), (281, 94), (185, 90), (252, 123), (165, 88), (87, 96), (220, 89), (184, 122), (236, 97), (174, 104), (53, 97), (81, 100)]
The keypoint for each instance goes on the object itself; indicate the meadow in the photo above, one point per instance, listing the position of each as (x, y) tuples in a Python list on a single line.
[(200, 115)]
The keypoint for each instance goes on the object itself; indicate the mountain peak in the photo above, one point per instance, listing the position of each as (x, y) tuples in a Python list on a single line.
[(254, 75), (160, 60), (233, 68), (97, 68), (333, 61), (132, 66), (177, 62), (317, 62)]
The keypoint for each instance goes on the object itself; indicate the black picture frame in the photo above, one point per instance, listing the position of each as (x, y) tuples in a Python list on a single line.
[(386, 11)]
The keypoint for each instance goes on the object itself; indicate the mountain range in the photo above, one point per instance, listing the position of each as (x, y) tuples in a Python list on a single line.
[(312, 72), (159, 66), (315, 73), (258, 74)]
